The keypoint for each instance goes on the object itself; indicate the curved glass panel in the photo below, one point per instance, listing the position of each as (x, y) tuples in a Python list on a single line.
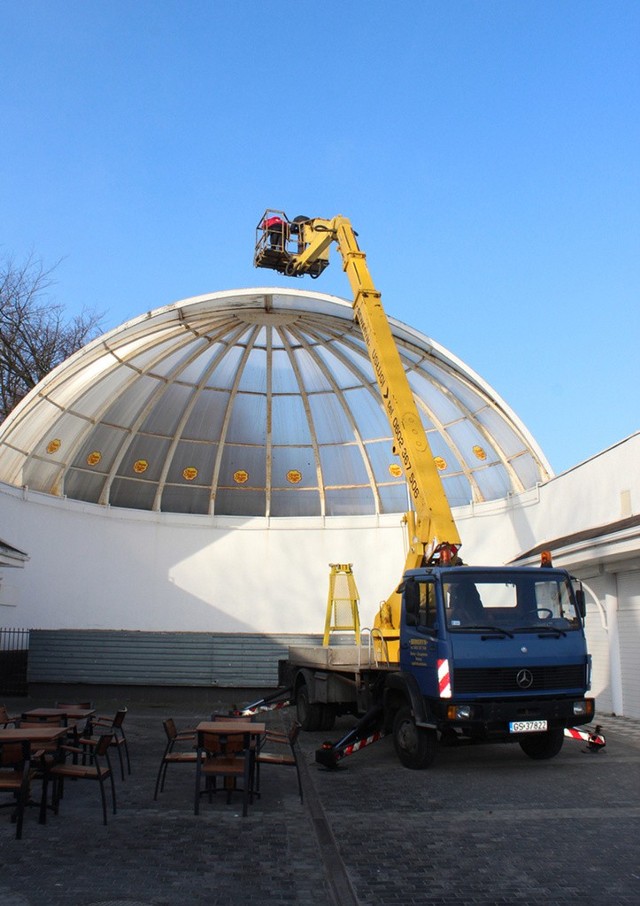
[(258, 402)]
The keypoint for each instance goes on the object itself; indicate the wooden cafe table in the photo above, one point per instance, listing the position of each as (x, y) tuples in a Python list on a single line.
[(233, 725), (236, 726), (72, 716), (73, 713), (37, 736)]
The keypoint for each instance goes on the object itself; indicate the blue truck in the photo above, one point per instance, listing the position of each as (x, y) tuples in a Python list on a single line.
[(457, 653), (487, 654)]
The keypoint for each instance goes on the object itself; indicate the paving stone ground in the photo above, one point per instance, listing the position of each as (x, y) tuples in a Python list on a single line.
[(484, 826)]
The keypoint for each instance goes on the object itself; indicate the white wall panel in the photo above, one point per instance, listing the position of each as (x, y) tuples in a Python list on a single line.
[(93, 567), (629, 623), (598, 646)]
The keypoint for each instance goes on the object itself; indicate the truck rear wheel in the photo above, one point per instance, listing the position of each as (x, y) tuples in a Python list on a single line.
[(327, 717), (309, 716), (542, 745), (415, 746)]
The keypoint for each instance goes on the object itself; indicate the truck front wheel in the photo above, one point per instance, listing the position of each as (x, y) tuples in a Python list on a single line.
[(415, 746), (542, 745), (309, 716)]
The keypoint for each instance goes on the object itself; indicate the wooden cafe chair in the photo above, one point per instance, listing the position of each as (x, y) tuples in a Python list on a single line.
[(15, 778), (98, 770), (113, 726), (281, 756), (6, 718), (172, 755), (226, 756)]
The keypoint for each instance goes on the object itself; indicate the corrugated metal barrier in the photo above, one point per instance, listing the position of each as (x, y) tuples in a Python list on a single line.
[(158, 658)]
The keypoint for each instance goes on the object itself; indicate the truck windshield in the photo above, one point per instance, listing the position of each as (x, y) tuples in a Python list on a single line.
[(528, 602)]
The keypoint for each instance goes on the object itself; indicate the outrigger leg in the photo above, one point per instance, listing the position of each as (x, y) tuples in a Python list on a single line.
[(332, 752), (273, 702), (594, 739)]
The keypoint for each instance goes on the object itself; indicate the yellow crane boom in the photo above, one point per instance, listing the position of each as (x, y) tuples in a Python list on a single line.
[(301, 247)]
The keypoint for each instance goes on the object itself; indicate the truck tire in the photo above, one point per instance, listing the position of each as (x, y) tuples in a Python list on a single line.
[(327, 717), (415, 746), (309, 716), (543, 745)]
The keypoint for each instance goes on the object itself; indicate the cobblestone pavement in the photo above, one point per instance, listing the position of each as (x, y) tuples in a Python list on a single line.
[(485, 825)]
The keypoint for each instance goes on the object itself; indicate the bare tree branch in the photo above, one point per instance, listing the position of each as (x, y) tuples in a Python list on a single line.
[(34, 334)]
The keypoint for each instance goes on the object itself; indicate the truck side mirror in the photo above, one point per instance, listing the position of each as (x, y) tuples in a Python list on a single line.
[(581, 602), (411, 594)]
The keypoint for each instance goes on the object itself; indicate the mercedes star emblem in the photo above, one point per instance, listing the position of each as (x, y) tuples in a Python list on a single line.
[(524, 679)]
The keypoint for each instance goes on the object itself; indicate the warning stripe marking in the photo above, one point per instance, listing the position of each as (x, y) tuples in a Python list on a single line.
[(444, 679), (360, 744), (275, 707), (596, 739)]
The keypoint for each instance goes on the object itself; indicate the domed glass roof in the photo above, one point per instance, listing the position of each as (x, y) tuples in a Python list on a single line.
[(256, 402)]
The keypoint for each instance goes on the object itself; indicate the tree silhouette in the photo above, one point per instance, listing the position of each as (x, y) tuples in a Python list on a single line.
[(35, 335)]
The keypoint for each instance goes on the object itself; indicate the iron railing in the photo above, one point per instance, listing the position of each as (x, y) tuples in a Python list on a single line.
[(14, 656)]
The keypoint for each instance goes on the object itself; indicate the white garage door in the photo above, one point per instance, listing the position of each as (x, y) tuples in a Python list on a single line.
[(629, 629)]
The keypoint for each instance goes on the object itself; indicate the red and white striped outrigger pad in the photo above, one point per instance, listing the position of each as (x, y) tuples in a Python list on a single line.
[(595, 739), (360, 744), (330, 755)]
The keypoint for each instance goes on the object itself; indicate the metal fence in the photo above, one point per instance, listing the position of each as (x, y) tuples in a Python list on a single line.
[(141, 658), (14, 657)]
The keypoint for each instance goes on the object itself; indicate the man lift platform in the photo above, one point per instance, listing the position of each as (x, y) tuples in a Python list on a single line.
[(279, 240)]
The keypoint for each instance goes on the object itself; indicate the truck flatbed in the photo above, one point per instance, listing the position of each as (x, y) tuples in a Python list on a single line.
[(352, 658)]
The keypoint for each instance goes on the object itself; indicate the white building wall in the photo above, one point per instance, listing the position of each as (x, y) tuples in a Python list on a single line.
[(596, 493), (92, 567), (600, 627), (97, 568)]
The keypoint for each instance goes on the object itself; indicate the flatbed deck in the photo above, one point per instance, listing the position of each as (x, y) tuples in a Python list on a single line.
[(351, 658)]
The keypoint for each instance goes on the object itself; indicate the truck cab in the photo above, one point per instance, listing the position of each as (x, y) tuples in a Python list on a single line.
[(496, 653)]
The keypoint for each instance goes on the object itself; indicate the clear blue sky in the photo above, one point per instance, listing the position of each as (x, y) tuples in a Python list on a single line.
[(488, 153)]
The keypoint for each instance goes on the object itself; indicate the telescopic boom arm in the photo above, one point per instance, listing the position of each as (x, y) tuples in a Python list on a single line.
[(302, 247)]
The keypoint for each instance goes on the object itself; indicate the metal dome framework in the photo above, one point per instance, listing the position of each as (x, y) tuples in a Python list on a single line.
[(257, 402)]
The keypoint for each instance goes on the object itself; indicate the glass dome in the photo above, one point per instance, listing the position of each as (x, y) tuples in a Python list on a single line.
[(257, 402)]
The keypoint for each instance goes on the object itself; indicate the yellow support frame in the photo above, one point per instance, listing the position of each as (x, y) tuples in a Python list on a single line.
[(342, 603)]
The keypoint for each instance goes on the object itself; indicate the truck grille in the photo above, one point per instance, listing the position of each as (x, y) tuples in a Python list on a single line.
[(505, 679)]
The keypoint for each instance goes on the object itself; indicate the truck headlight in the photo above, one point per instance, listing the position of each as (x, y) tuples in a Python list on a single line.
[(459, 712), (583, 708)]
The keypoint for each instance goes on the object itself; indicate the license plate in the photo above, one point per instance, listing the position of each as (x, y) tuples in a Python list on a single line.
[(527, 726)]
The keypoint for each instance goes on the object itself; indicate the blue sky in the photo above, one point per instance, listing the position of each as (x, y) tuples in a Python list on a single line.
[(488, 153)]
